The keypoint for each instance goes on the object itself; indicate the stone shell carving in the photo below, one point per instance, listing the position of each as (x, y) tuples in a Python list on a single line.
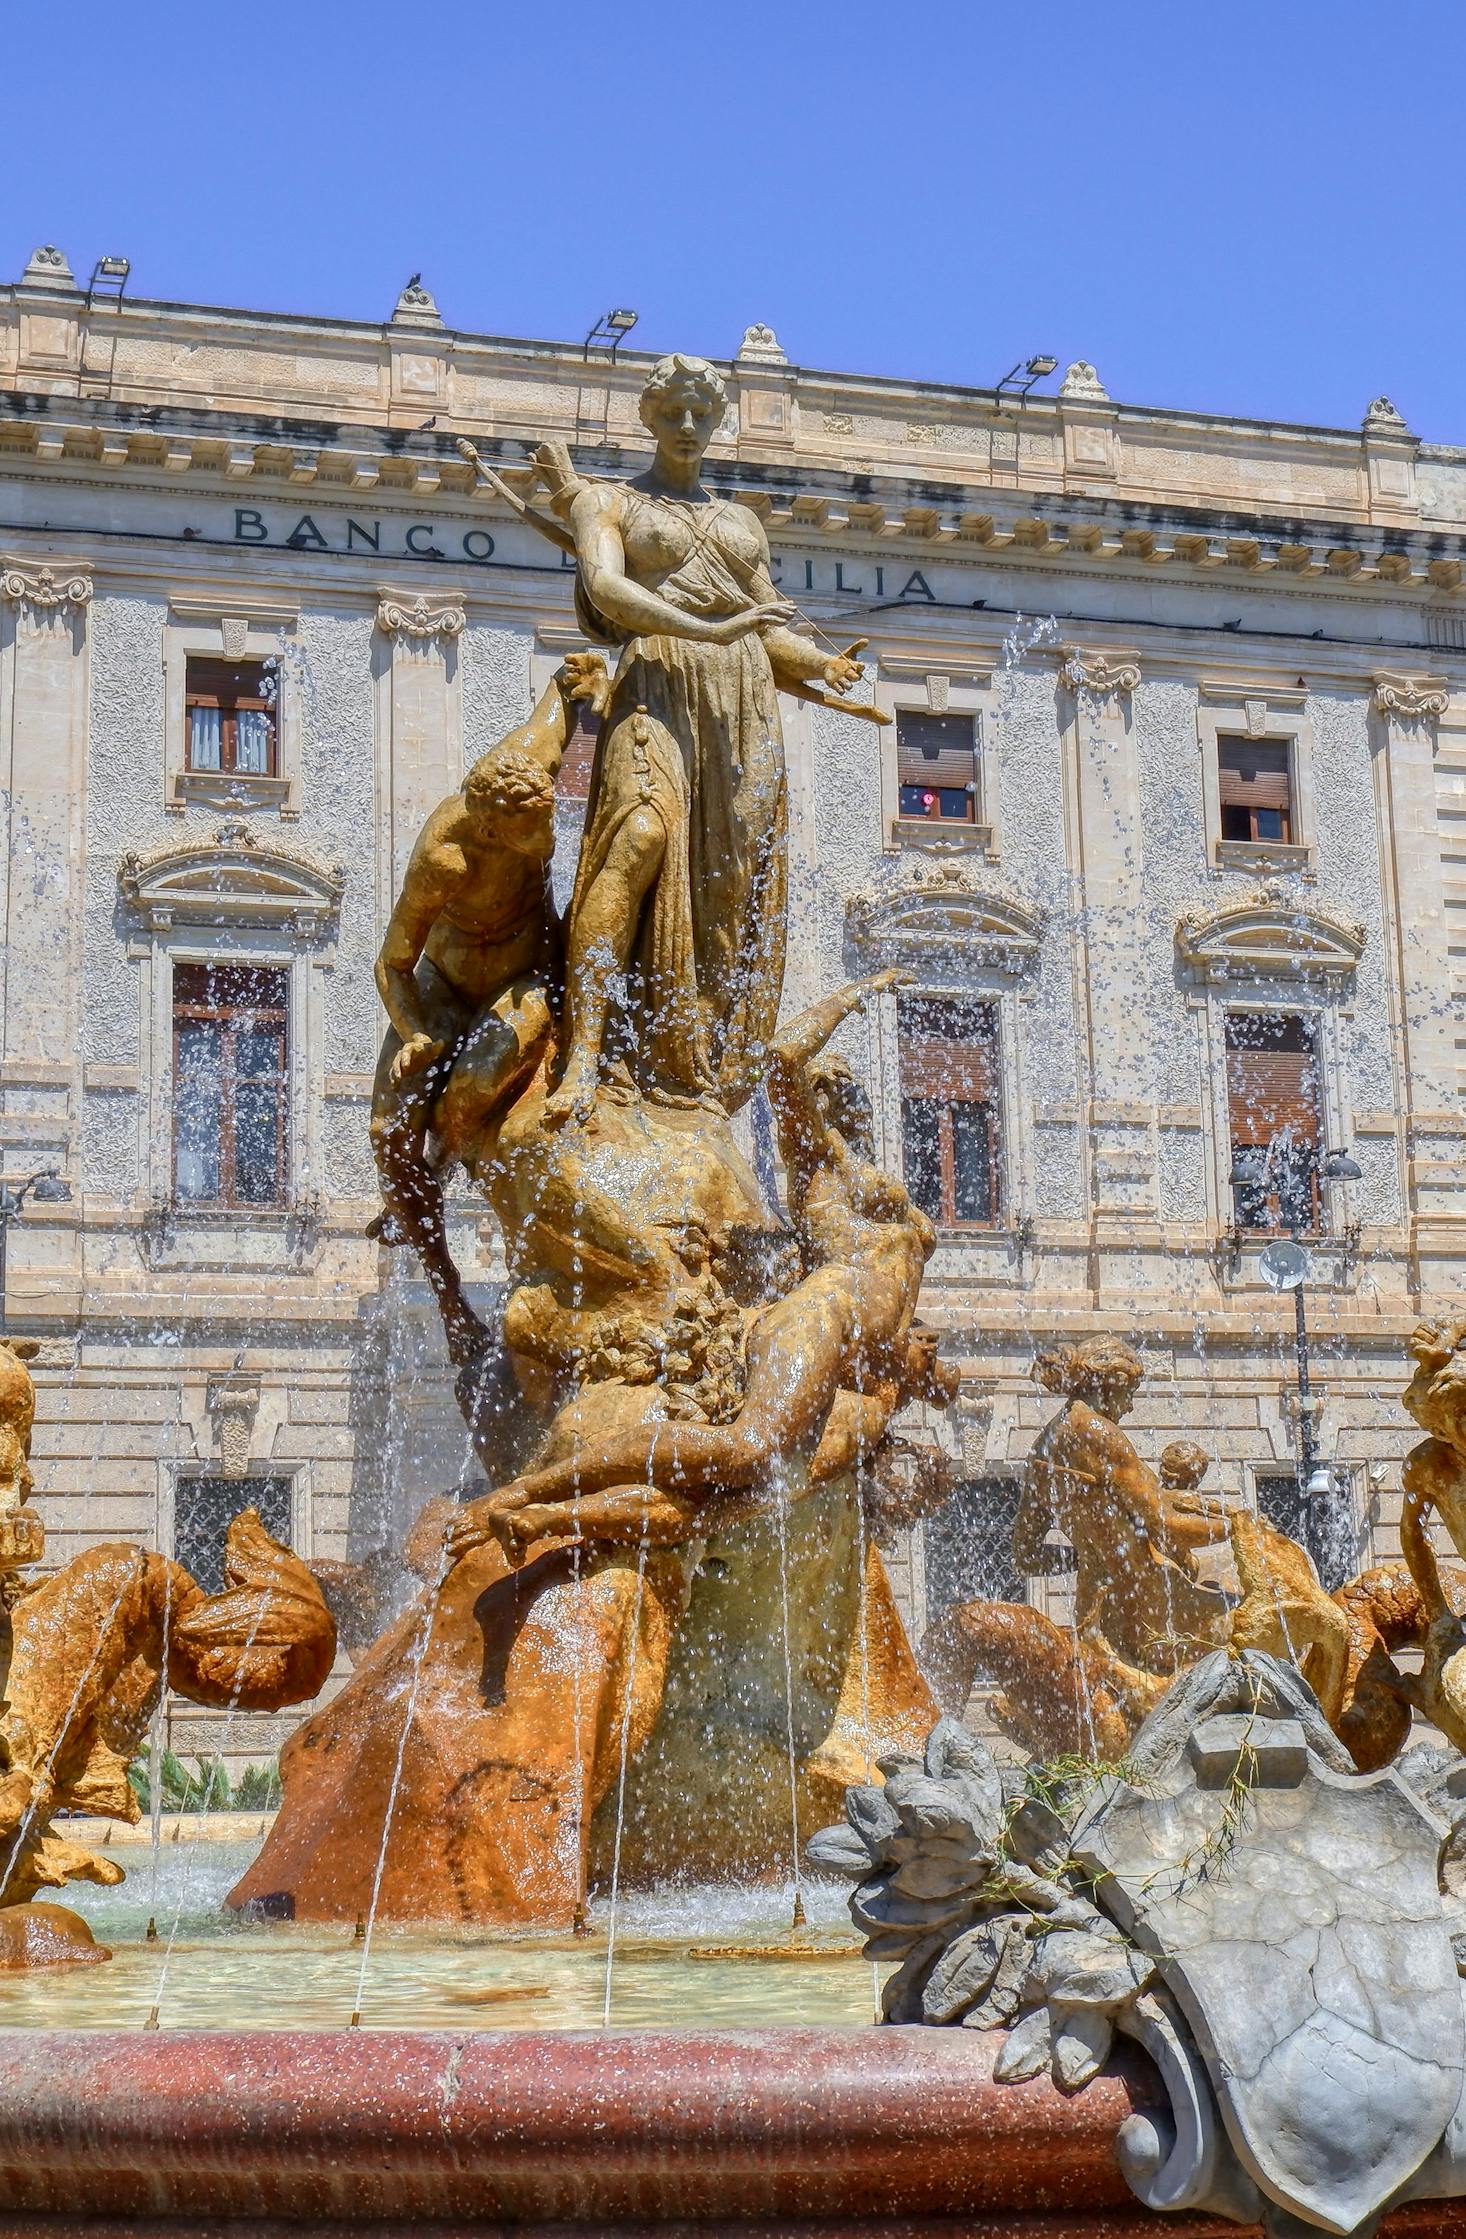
[(234, 879), (760, 345), (1384, 418), (1264, 1921), (1083, 384), (416, 306), (49, 268), (1269, 933)]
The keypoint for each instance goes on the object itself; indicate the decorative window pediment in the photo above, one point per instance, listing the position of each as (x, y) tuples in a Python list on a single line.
[(1268, 935), (945, 912), (235, 878)]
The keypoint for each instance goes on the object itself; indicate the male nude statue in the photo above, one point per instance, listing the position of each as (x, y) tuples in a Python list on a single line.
[(465, 974)]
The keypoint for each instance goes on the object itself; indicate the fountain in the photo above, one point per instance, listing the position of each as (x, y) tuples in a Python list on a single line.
[(1191, 1948)]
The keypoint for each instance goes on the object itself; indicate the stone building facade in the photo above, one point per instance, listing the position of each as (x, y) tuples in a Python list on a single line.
[(1170, 831)]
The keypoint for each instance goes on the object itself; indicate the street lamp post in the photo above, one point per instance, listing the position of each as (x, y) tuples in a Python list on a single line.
[(1287, 1265), (47, 1189)]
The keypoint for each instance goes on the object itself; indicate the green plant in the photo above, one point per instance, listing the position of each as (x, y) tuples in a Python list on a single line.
[(206, 1790), (258, 1789)]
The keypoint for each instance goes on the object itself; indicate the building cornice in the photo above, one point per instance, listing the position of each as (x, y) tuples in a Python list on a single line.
[(864, 512), (144, 318)]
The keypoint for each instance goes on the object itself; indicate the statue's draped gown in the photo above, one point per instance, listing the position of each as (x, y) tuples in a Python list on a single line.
[(707, 967)]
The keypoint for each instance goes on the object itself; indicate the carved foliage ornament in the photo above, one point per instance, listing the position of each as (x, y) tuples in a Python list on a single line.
[(46, 590), (943, 915), (419, 618), (1269, 934), (1411, 697), (234, 879)]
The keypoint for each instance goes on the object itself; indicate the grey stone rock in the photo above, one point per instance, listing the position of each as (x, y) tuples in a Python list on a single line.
[(1301, 1931)]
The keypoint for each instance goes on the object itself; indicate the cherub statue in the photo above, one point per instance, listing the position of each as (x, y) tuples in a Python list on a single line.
[(1435, 1479), (827, 1365), (1137, 1591), (84, 1652), (468, 974)]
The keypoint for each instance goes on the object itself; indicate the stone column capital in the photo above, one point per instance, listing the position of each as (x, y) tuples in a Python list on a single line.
[(1100, 676), (420, 619), (46, 592), (1410, 698)]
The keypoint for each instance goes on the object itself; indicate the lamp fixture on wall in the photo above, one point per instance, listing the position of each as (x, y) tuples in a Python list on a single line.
[(609, 332), (1022, 377)]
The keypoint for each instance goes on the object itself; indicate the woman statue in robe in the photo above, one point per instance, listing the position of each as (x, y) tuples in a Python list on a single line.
[(681, 880)]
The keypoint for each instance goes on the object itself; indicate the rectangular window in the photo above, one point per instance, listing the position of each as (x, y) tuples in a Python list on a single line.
[(229, 1084), (1275, 1110), (969, 1546), (205, 1507), (936, 764), (1256, 788), (950, 1099), (573, 783), (1322, 1524), (231, 714)]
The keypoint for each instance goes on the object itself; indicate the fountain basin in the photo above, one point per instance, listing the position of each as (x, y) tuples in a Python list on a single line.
[(900, 2132), (345, 2128)]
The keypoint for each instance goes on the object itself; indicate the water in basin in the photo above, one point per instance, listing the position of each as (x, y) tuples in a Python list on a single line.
[(687, 1957)]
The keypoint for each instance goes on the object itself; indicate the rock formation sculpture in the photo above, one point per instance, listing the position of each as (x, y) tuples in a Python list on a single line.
[(1234, 1897)]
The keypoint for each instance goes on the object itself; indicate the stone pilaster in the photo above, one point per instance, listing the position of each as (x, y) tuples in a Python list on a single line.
[(420, 718), (1106, 870), (43, 769), (1408, 711)]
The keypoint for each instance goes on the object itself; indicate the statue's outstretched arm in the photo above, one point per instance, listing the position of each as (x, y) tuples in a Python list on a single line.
[(801, 1124)]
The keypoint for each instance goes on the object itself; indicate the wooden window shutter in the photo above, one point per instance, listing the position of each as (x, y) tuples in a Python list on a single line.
[(949, 1050), (1253, 773), (935, 750), (1272, 1078)]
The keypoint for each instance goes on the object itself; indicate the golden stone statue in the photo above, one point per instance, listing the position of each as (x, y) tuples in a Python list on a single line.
[(466, 975), (681, 880), (84, 1655), (667, 1330)]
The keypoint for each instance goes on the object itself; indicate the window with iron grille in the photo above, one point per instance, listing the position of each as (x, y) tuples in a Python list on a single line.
[(231, 715), (205, 1507), (1255, 780), (229, 1084), (937, 766), (573, 782), (1321, 1524), (969, 1546), (951, 1108), (1275, 1108)]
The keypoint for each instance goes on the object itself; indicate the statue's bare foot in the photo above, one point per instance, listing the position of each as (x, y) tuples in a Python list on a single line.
[(386, 1228), (468, 1338), (575, 1098)]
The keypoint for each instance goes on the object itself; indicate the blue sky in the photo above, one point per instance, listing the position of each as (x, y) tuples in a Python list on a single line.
[(1227, 206)]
